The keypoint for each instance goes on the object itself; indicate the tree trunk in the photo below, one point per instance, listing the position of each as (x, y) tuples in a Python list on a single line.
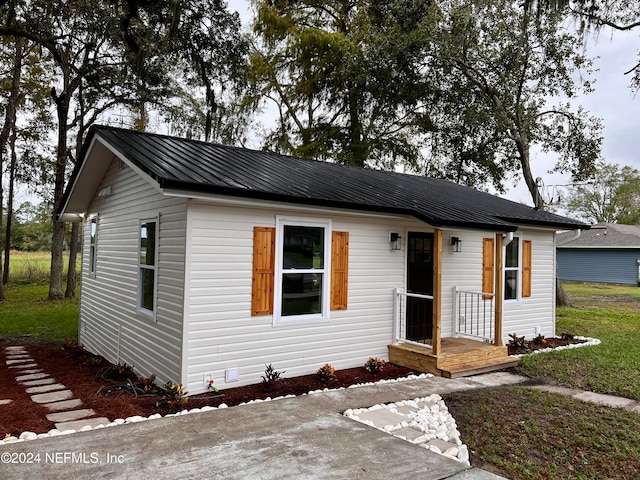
[(73, 255), (57, 239), (7, 238), (9, 124)]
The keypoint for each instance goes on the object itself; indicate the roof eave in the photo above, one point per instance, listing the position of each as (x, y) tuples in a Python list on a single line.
[(169, 184)]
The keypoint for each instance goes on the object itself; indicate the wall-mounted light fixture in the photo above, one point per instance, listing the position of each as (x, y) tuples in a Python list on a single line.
[(395, 240), (456, 244)]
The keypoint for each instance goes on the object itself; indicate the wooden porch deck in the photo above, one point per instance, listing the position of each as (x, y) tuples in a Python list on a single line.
[(459, 357)]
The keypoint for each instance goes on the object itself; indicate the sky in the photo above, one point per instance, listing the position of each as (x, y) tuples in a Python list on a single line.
[(613, 101)]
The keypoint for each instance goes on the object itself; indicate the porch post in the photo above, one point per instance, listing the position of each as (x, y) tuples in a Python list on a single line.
[(437, 292), (499, 297)]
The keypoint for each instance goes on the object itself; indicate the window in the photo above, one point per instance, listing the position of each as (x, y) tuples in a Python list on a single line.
[(302, 266), (93, 232), (147, 267), (512, 269)]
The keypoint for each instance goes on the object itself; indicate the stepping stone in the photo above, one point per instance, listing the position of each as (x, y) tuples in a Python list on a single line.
[(78, 424), (22, 360), (15, 350), (18, 357), (5, 402), (45, 388), (382, 417), (409, 433), (33, 370), (33, 376), (42, 381), (404, 409), (52, 396), (24, 365), (71, 415), (63, 405)]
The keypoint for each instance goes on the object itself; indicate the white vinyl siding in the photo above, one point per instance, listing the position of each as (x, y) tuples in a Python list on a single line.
[(112, 326), (464, 270), (222, 333)]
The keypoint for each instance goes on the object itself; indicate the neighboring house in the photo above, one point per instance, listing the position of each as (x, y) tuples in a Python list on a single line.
[(608, 253), (206, 261)]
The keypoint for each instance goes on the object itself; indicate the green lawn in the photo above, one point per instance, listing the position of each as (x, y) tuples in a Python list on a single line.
[(610, 313), (525, 434), (26, 315)]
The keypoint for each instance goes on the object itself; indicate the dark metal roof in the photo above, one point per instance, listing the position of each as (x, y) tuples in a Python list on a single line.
[(195, 166)]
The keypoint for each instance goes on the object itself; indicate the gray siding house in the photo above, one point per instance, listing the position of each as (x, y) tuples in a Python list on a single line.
[(607, 253), (205, 262)]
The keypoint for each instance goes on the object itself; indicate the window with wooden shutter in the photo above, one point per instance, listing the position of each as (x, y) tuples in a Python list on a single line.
[(339, 270), (264, 249), (488, 260), (526, 268)]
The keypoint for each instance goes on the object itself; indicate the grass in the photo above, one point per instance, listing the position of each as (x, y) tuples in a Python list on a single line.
[(610, 313), (27, 316), (521, 433)]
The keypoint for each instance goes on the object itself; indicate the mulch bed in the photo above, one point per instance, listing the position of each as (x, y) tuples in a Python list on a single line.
[(77, 369), (541, 344)]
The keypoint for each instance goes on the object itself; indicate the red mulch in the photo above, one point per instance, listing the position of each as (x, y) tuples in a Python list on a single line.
[(77, 370), (532, 345)]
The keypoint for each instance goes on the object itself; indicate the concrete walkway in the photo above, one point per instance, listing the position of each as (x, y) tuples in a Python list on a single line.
[(303, 437), (293, 438)]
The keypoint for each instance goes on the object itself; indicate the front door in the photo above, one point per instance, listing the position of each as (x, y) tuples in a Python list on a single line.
[(419, 311)]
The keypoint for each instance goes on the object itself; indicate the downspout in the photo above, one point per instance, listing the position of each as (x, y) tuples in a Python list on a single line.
[(575, 236)]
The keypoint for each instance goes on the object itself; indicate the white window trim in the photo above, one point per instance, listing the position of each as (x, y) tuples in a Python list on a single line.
[(517, 269), (93, 246), (140, 267), (278, 319)]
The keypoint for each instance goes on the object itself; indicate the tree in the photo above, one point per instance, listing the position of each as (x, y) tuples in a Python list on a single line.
[(9, 124), (613, 196), (347, 78), (509, 62), (108, 54), (622, 15)]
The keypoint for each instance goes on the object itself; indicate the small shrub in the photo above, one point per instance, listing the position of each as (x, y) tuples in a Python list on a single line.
[(326, 372), (123, 368), (148, 384), (567, 336), (73, 346), (518, 343), (374, 365), (211, 387), (539, 340), (173, 396), (271, 376)]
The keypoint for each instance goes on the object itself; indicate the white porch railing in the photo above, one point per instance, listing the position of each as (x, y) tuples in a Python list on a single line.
[(473, 314), (400, 317)]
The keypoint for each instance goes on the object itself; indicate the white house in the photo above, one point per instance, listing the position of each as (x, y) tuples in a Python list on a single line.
[(206, 261)]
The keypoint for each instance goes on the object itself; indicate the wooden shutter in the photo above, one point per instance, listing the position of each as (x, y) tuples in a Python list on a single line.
[(339, 270), (488, 260), (264, 252), (526, 268)]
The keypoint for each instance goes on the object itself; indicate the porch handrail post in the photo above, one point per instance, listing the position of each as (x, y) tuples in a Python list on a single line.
[(437, 292), (498, 292), (456, 312), (396, 315)]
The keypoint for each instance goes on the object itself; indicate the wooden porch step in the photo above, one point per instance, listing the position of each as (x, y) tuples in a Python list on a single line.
[(477, 367)]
